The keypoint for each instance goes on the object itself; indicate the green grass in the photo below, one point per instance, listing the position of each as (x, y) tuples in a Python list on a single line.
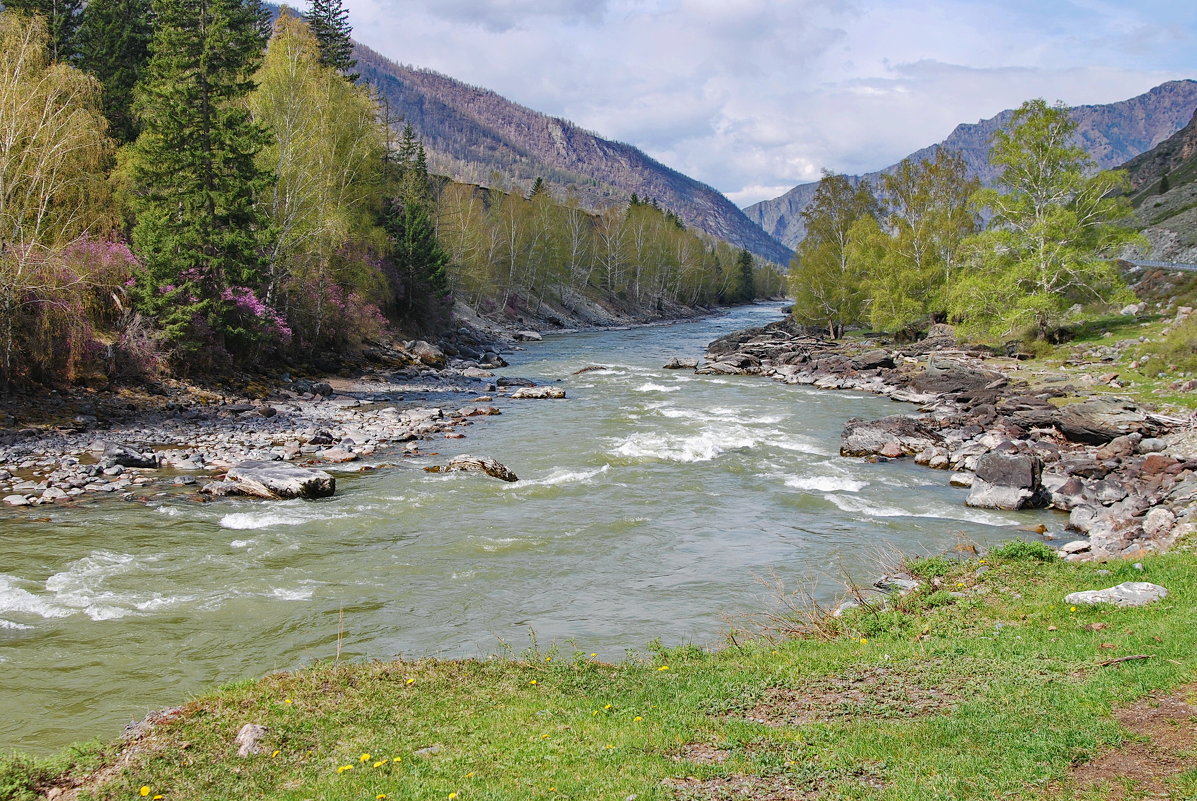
[(985, 687)]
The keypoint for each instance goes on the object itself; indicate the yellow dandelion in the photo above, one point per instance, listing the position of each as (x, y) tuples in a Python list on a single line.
[(344, 768), (982, 561), (411, 681), (288, 701), (593, 654), (663, 667), (637, 718), (274, 754), (609, 746), (159, 797), (380, 763), (1072, 609), (452, 795), (364, 758), (470, 775), (380, 797), (533, 681), (608, 706), (864, 640), (552, 789), (397, 759), (548, 659), (594, 713), (959, 583), (145, 790), (544, 736)]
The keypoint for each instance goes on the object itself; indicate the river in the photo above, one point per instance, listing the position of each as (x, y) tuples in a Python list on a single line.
[(650, 504)]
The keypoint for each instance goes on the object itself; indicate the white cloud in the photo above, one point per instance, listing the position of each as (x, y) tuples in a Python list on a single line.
[(753, 95)]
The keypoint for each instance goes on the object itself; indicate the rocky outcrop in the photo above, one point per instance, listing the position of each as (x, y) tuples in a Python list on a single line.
[(1130, 593), (476, 464), (891, 437), (1096, 421), (273, 480), (538, 393)]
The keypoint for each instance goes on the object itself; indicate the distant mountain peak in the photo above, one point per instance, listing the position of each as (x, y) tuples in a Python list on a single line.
[(1112, 133)]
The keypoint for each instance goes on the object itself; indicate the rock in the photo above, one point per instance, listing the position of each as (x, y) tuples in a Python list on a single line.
[(891, 450), (475, 372), (1131, 593), (338, 455), (1076, 546), (279, 480), (322, 388), (267, 411), (427, 353), (17, 500), (513, 381), (1007, 481), (247, 739), (961, 480), (898, 584), (480, 464), (527, 336), (125, 456), (681, 364), (869, 437), (1158, 522), (873, 360), (949, 376), (1152, 445), (1097, 421), (532, 393)]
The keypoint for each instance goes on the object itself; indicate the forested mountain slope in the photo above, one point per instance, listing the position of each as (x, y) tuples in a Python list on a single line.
[(472, 133), (1112, 133), (1164, 185)]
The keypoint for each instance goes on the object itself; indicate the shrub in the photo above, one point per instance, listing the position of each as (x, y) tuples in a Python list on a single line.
[(929, 567)]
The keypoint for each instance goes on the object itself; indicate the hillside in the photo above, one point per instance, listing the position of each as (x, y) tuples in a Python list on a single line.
[(1164, 183), (1112, 133), (472, 133)]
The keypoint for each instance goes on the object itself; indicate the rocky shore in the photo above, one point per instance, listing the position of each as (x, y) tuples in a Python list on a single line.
[(1126, 476), (276, 443)]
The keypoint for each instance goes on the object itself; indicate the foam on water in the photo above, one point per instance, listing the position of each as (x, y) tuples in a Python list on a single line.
[(16, 599), (857, 504), (711, 443), (562, 477), (826, 484), (651, 387)]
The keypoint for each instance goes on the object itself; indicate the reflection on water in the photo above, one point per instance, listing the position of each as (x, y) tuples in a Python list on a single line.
[(650, 501)]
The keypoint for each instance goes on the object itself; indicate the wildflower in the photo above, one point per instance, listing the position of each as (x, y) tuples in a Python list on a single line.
[(397, 759), (159, 797), (470, 774), (637, 718), (959, 583), (1072, 609), (609, 746), (452, 795), (364, 758), (380, 763), (663, 667), (548, 659), (608, 706), (594, 713), (380, 797), (275, 753), (544, 736), (344, 768), (533, 681), (145, 790), (288, 701), (593, 654), (552, 789), (411, 681), (864, 640)]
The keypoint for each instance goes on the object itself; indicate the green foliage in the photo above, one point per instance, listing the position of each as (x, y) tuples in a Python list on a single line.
[(114, 46), (62, 23), (1174, 352), (928, 220), (929, 567), (829, 269), (327, 153), (200, 230), (745, 291), (1023, 550), (1056, 227), (329, 21)]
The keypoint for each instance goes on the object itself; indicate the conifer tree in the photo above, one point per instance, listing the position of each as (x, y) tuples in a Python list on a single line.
[(114, 46), (744, 262), (199, 232), (408, 220), (329, 21), (62, 23)]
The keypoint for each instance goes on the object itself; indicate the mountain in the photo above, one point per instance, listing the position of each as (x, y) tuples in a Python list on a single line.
[(472, 134), (1164, 193), (1111, 133)]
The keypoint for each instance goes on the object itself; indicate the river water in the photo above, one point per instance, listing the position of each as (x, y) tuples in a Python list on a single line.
[(650, 503)]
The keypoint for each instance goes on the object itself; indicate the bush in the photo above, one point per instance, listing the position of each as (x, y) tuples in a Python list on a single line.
[(1022, 550), (929, 567), (1176, 352)]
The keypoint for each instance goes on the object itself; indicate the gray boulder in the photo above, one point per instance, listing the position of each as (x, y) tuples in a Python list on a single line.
[(427, 353), (871, 437), (1007, 481), (126, 456), (538, 393), (681, 364), (1131, 593), (476, 464), (278, 480), (527, 336), (1097, 421), (949, 376)]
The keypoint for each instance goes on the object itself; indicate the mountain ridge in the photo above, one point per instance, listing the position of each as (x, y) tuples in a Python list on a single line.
[(472, 133), (1112, 133)]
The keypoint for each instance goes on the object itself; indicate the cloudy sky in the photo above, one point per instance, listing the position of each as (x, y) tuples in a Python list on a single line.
[(754, 96)]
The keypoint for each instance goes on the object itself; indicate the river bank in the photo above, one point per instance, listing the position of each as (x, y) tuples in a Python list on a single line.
[(1017, 436)]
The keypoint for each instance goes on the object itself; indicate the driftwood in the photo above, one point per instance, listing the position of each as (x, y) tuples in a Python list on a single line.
[(1109, 662)]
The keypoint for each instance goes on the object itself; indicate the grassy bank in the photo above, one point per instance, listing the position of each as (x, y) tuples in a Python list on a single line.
[(987, 686)]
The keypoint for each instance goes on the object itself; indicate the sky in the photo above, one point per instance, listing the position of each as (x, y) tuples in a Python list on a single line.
[(755, 96)]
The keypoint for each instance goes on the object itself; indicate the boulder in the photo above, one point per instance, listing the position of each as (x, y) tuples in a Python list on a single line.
[(527, 336), (950, 376), (1097, 421), (427, 353), (681, 364), (276, 480), (514, 381), (17, 500), (538, 393), (1007, 481), (1131, 593), (871, 437), (248, 738), (338, 455), (322, 388), (126, 456), (1158, 523), (477, 464), (873, 360)]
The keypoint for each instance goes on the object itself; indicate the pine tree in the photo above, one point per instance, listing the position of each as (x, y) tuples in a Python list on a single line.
[(329, 21), (744, 262), (114, 46), (62, 22), (408, 221), (199, 232)]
